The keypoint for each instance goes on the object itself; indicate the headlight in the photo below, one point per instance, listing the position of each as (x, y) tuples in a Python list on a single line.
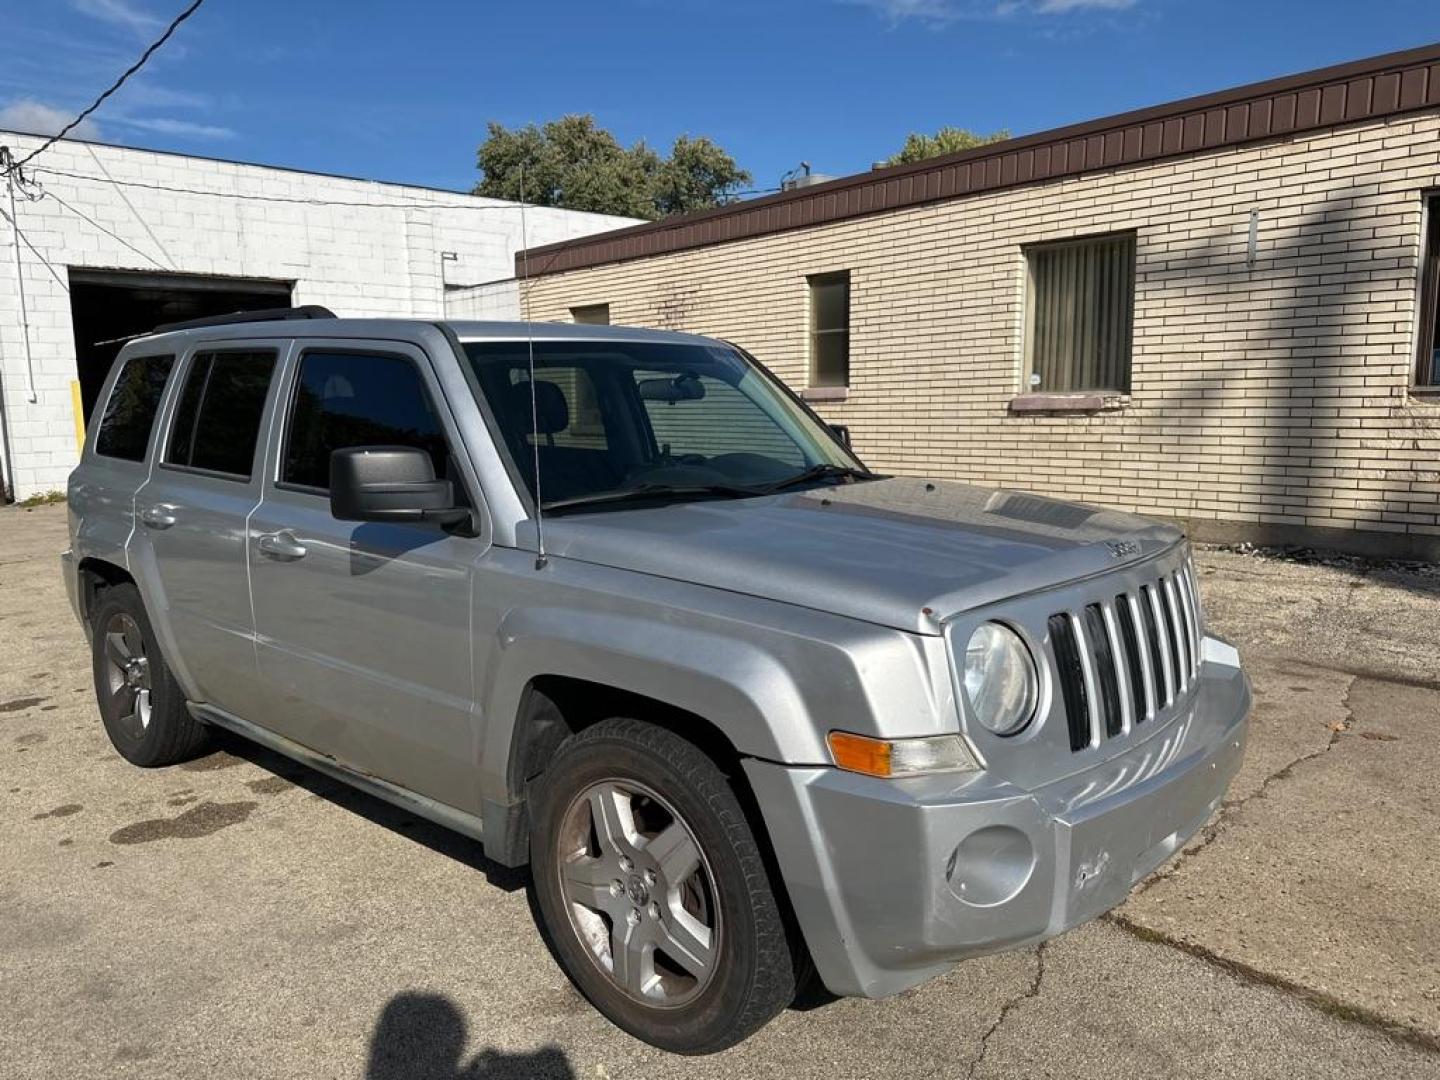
[(1001, 685)]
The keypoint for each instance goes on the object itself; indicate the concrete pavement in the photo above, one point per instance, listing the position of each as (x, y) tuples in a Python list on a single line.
[(242, 916)]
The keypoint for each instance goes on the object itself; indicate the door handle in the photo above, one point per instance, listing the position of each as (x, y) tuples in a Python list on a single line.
[(159, 516), (281, 545)]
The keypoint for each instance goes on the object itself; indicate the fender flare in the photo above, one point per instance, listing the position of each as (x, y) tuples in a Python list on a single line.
[(738, 687)]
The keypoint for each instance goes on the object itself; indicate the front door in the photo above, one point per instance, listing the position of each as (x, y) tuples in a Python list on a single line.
[(363, 629), (190, 517)]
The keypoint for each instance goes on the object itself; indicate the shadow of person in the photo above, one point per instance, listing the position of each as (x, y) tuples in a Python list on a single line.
[(422, 1037)]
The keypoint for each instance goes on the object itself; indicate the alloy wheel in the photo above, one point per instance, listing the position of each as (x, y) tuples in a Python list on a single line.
[(127, 675), (639, 892)]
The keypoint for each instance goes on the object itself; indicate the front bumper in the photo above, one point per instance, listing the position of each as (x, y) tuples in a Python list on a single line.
[(894, 881)]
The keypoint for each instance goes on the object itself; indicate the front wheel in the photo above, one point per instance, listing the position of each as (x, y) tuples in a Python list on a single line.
[(653, 890)]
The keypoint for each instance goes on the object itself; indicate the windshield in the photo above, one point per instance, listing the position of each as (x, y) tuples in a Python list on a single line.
[(617, 416)]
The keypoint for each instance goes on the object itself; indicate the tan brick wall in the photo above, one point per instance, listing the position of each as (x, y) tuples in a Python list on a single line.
[(1275, 394)]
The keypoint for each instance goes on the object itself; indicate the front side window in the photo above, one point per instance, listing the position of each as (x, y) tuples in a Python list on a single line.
[(130, 413), (343, 400), (1078, 315), (217, 421), (668, 418), (1427, 358), (830, 329)]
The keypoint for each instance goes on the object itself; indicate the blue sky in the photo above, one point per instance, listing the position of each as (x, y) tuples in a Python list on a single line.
[(402, 91)]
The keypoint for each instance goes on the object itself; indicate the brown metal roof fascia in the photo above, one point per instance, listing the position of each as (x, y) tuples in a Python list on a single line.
[(1362, 90)]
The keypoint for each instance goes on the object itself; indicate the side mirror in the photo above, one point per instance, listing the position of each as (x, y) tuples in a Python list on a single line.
[(389, 483), (841, 432)]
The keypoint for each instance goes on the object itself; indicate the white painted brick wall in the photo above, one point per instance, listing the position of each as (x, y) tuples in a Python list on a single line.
[(497, 300), (358, 260)]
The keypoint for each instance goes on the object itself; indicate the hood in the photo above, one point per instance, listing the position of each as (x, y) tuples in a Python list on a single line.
[(882, 551)]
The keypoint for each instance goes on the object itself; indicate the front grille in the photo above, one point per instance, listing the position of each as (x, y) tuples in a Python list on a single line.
[(1123, 660)]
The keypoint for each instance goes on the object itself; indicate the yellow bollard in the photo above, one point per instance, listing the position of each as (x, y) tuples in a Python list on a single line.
[(77, 407)]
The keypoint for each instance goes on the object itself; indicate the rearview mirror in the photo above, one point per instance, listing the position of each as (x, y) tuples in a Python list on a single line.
[(680, 388), (841, 432), (389, 483)]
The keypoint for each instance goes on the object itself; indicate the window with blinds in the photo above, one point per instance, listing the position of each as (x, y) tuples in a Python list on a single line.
[(830, 329), (1078, 314), (1427, 357)]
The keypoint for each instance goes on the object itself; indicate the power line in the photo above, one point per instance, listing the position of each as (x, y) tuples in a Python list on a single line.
[(298, 200), (34, 251), (302, 200), (113, 235), (131, 70)]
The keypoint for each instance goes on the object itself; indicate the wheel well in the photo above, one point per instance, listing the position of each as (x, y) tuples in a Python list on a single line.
[(97, 575), (554, 707)]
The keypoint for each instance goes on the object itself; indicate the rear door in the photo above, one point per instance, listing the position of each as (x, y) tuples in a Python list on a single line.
[(363, 629), (190, 515), (116, 460)]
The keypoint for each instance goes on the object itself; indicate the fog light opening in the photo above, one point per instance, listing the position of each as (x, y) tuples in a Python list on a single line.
[(991, 866)]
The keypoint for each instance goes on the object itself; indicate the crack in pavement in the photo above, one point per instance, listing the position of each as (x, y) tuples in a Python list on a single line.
[(1032, 991), (1228, 808), (1324, 1002), (1247, 973)]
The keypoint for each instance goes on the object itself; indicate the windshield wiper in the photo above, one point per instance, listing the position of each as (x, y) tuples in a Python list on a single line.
[(824, 471), (651, 493)]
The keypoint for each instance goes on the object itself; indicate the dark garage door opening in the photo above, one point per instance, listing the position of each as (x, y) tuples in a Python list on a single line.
[(109, 306)]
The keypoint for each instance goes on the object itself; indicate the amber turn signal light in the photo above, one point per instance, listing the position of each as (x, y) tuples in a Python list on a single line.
[(889, 758)]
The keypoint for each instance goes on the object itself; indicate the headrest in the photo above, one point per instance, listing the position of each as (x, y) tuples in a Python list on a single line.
[(552, 414)]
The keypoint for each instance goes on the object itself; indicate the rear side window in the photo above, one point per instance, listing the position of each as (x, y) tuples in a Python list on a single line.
[(343, 400), (130, 413), (217, 420)]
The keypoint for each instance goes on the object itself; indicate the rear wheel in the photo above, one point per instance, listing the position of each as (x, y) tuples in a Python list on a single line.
[(653, 890), (141, 705)]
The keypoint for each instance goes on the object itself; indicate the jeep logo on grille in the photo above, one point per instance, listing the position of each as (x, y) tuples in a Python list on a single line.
[(1122, 548)]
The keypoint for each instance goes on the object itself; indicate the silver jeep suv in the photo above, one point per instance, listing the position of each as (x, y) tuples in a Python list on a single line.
[(616, 604)]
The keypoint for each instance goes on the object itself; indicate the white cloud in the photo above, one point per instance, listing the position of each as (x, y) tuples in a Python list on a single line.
[(940, 12), (37, 118), (145, 95), (165, 125), (934, 12), (1060, 7), (118, 13)]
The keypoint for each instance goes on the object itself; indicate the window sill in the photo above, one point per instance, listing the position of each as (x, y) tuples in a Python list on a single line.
[(825, 393), (1425, 395), (1066, 403)]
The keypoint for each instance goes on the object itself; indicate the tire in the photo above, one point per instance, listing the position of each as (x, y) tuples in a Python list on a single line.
[(141, 704), (710, 961)]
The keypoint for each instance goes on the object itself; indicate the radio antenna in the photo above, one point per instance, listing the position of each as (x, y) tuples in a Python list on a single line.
[(540, 557)]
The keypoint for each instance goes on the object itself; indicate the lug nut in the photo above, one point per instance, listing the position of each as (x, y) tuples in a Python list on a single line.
[(615, 888), (624, 865), (649, 877)]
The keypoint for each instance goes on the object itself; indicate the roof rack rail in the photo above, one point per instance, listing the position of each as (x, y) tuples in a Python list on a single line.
[(279, 314)]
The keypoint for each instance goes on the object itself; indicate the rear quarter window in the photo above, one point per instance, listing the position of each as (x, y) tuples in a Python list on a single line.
[(130, 413)]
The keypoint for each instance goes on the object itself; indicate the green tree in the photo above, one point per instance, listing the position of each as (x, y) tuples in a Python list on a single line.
[(696, 176), (572, 163), (947, 140)]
